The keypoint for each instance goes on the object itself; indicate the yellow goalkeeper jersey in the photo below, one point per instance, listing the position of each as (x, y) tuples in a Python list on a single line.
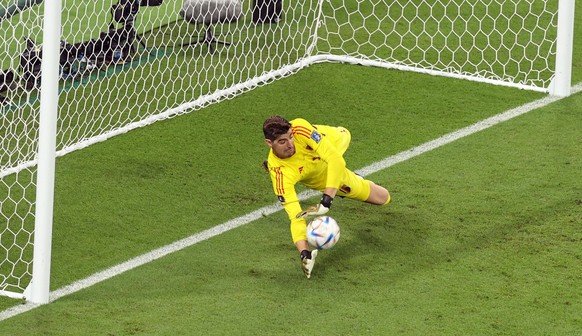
[(317, 163)]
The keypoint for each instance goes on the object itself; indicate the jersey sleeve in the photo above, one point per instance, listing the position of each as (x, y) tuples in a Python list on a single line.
[(308, 135), (298, 225), (284, 188)]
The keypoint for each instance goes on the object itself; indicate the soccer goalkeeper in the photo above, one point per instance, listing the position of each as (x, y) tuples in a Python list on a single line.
[(313, 156)]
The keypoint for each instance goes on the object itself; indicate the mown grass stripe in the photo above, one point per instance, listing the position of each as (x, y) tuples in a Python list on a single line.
[(268, 210)]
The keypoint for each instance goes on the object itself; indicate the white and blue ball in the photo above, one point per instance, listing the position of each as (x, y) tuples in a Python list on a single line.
[(323, 232)]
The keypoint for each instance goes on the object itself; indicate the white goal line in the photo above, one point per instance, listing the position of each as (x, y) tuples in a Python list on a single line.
[(271, 209)]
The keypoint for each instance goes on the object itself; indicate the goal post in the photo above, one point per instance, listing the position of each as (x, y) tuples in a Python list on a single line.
[(564, 47), (49, 94), (108, 74)]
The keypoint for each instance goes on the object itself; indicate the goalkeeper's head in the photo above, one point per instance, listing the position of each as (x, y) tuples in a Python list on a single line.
[(275, 126), (279, 136)]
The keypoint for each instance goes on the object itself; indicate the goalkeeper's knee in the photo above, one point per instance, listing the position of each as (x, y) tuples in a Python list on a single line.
[(388, 200), (378, 195)]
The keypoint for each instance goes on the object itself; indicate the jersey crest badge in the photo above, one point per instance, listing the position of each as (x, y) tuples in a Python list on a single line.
[(345, 189), (301, 170), (316, 136)]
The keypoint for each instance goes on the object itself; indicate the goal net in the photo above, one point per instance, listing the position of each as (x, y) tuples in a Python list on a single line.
[(124, 69), (497, 41)]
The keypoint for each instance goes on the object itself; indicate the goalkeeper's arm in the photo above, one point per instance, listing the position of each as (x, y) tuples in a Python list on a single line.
[(298, 233)]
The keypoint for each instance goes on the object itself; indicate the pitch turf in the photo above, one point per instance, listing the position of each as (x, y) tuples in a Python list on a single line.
[(482, 236)]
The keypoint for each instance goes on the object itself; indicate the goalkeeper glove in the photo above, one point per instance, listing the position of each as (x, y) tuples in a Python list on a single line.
[(308, 261), (321, 209)]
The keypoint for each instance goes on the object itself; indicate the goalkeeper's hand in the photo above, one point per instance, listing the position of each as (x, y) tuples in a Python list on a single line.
[(308, 261), (321, 209)]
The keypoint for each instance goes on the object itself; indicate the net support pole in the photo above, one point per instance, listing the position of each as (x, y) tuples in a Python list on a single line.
[(317, 24), (41, 263), (561, 85)]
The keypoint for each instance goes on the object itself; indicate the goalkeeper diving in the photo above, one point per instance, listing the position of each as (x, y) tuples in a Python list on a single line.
[(313, 156)]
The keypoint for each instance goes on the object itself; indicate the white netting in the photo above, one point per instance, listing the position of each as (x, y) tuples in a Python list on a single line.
[(18, 134), (492, 40), (119, 74)]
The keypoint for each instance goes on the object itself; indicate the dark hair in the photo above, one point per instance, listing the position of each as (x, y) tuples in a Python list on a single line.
[(275, 126)]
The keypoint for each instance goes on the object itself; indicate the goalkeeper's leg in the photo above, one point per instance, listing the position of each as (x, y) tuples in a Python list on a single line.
[(357, 188), (378, 195)]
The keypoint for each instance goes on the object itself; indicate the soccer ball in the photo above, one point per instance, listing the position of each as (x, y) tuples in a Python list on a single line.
[(323, 232)]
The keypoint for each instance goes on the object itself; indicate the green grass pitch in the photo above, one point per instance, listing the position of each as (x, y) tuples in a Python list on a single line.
[(482, 237)]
